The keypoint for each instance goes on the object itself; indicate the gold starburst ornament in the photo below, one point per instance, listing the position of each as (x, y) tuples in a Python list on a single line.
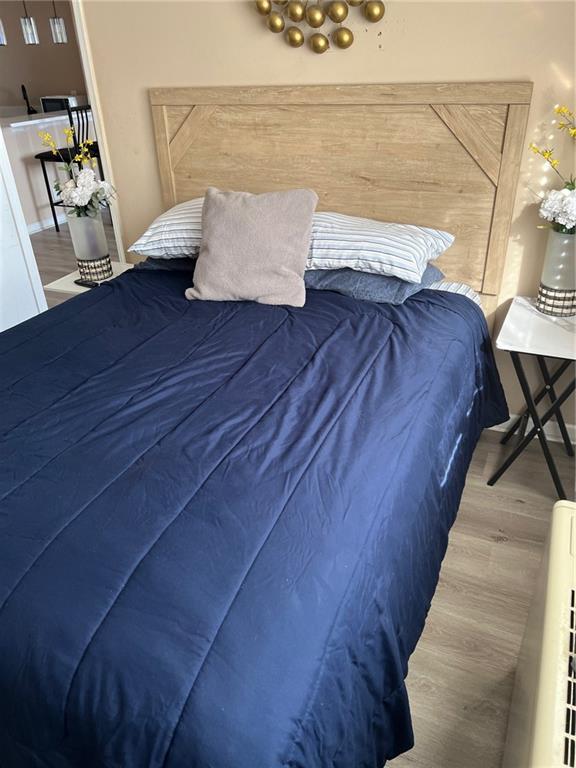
[(315, 14)]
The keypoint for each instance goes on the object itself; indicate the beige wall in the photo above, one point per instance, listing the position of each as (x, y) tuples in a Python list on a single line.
[(44, 69), (137, 45)]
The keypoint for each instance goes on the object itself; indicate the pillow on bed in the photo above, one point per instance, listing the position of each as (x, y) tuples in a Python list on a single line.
[(366, 245), (254, 247), (462, 288), (361, 285), (174, 234)]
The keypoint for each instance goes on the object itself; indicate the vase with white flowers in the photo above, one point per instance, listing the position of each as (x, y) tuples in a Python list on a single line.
[(557, 291), (84, 195)]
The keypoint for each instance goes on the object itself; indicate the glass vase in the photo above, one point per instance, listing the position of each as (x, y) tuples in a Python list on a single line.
[(90, 246), (557, 292)]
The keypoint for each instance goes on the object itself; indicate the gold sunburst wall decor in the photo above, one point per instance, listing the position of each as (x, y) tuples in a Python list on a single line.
[(320, 24)]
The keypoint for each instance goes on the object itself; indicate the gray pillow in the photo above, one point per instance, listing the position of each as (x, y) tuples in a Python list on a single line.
[(367, 286), (254, 247)]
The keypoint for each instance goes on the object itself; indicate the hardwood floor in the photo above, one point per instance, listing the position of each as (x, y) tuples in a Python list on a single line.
[(55, 255), (461, 674)]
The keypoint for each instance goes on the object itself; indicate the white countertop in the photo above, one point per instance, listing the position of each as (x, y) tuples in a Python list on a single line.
[(531, 332), (24, 121)]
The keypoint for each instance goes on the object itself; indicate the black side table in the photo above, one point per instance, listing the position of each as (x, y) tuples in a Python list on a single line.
[(528, 332)]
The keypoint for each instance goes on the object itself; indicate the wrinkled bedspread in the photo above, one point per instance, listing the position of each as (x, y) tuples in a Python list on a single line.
[(222, 524)]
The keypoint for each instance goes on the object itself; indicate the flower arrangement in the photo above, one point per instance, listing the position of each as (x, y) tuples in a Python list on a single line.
[(558, 206), (82, 191)]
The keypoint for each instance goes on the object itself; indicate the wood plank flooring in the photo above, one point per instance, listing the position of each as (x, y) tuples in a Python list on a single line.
[(461, 674), (55, 255)]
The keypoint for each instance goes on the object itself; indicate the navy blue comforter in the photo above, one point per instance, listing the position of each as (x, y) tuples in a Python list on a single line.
[(221, 524)]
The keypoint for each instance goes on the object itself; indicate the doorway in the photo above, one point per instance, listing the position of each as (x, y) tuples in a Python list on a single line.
[(42, 74)]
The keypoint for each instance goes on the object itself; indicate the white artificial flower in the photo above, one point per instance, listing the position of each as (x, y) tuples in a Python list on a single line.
[(85, 187), (559, 206)]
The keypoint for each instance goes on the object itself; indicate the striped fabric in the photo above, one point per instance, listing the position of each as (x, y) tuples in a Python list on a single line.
[(366, 245), (465, 290), (174, 234), (338, 241)]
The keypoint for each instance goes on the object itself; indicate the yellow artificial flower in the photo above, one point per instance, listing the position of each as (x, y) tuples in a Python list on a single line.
[(560, 109)]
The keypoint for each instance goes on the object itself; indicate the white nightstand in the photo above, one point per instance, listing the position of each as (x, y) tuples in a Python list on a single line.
[(66, 284), (529, 332)]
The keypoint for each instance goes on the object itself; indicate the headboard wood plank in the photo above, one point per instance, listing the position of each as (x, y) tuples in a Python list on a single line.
[(401, 93), (161, 133), (505, 196), (473, 138), (190, 130), (444, 155)]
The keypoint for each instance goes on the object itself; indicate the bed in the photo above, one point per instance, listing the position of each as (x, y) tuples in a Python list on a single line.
[(222, 523)]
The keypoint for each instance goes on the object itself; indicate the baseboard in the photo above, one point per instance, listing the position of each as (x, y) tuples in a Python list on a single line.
[(38, 226), (551, 429)]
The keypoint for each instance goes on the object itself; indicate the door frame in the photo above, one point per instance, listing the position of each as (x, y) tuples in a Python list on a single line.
[(21, 228), (94, 99)]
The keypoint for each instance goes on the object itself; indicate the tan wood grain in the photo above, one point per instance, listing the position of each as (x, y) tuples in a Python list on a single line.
[(161, 134), (468, 130), (401, 93), (505, 196), (492, 118), (191, 129)]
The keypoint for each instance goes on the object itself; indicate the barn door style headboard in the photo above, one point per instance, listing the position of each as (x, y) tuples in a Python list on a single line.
[(444, 155)]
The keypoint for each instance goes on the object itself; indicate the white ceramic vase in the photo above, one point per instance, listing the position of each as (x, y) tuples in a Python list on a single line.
[(557, 292)]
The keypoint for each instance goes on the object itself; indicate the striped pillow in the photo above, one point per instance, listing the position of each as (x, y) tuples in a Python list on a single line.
[(366, 245), (462, 288), (174, 234)]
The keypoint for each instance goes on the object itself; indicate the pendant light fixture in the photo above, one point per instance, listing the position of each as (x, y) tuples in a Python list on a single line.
[(29, 28), (58, 27), (3, 40)]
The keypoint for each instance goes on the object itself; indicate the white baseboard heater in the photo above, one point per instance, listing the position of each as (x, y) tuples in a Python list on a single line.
[(542, 720)]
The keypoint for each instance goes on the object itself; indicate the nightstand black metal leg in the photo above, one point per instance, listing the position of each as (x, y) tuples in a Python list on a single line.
[(552, 395), (538, 428), (537, 398)]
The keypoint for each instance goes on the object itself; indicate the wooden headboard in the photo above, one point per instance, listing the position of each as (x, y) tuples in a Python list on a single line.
[(445, 155)]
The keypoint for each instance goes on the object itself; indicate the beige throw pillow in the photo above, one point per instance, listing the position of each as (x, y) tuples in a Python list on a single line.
[(254, 247)]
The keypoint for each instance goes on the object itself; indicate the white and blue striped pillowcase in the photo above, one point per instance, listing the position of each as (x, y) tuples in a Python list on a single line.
[(452, 287), (366, 245), (338, 241), (174, 234)]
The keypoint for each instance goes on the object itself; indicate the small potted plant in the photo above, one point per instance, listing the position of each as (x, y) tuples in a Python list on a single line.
[(557, 291), (84, 195)]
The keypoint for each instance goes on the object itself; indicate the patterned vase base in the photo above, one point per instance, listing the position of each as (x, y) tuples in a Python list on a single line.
[(95, 269), (553, 301)]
